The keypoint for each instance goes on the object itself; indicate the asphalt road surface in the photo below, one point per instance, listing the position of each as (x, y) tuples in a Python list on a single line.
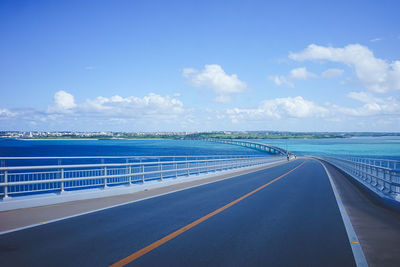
[(250, 220)]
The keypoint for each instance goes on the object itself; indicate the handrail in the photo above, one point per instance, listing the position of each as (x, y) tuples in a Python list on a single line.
[(17, 180), (111, 164), (122, 157), (380, 177)]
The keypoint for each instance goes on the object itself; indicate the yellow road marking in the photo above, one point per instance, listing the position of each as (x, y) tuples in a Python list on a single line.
[(165, 239)]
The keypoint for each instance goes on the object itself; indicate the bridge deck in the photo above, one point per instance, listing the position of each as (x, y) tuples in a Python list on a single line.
[(253, 219)]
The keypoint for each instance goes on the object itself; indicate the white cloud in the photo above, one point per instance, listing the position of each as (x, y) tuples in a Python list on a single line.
[(298, 73), (372, 106), (132, 106), (376, 40), (223, 99), (63, 102), (281, 81), (155, 112), (375, 74), (299, 108), (301, 73), (5, 113), (290, 107), (187, 72), (362, 97), (296, 107), (148, 113), (214, 77), (332, 73)]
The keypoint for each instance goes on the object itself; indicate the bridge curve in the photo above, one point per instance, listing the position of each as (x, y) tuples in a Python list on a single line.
[(255, 145)]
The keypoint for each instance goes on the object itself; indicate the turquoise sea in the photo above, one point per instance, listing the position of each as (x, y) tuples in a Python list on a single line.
[(376, 147)]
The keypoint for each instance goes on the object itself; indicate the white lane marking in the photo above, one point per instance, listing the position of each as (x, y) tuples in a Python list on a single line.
[(137, 200), (358, 253)]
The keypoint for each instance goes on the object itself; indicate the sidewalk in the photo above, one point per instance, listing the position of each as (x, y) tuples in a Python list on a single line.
[(377, 227)]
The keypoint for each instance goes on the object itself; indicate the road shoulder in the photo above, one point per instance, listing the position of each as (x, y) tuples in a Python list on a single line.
[(377, 227)]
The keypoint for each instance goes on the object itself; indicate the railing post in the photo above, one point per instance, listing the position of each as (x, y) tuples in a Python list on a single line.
[(161, 170), (176, 168), (187, 167), (392, 188), (5, 184), (105, 177), (130, 175), (62, 178), (128, 168), (142, 170)]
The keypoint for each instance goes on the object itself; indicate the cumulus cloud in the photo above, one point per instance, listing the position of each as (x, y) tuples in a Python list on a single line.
[(154, 112), (301, 73), (147, 112), (290, 107), (332, 73), (280, 80), (132, 106), (214, 77), (372, 106), (62, 102), (300, 108), (377, 75)]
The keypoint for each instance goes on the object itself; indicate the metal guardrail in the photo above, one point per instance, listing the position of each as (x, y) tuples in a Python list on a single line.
[(26, 180), (379, 174)]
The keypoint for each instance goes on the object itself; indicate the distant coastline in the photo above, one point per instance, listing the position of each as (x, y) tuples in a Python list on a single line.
[(237, 135), (54, 139)]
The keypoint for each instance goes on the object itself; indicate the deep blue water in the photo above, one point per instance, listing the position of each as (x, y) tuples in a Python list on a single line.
[(376, 147), (63, 148), (137, 148)]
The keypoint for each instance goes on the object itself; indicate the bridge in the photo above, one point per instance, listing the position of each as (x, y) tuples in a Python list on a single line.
[(255, 145), (197, 211)]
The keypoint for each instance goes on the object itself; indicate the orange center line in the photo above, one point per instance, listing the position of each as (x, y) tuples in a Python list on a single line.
[(165, 239)]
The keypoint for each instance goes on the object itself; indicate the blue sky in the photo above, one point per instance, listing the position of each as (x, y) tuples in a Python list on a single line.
[(200, 65)]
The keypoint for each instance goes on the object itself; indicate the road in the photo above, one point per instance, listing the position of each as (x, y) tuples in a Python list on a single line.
[(281, 216)]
